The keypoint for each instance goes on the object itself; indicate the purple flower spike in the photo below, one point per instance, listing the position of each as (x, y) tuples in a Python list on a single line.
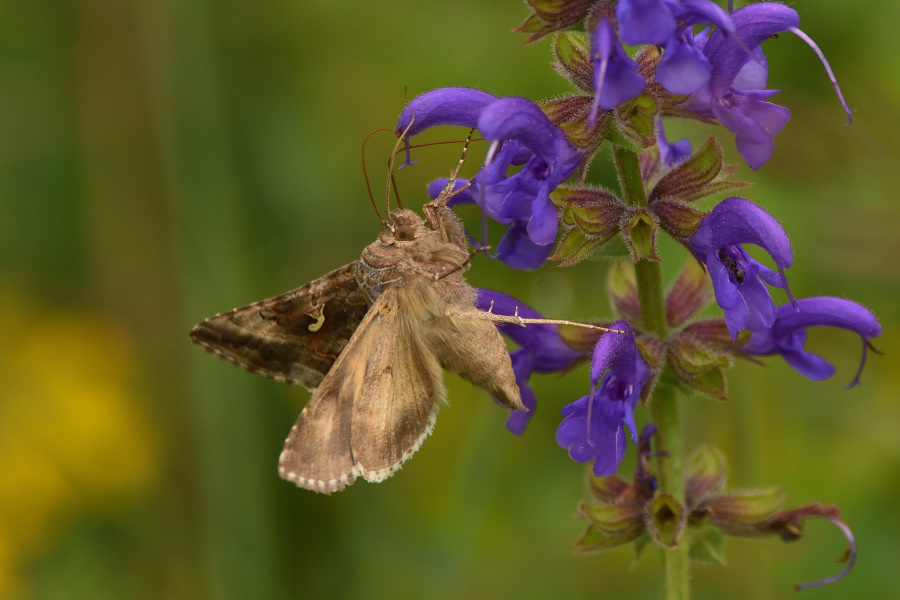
[(593, 427), (737, 278), (523, 199), (542, 350), (615, 74), (742, 109), (787, 336)]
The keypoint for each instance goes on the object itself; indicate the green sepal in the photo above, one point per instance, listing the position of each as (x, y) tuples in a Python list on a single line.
[(652, 349), (594, 540), (580, 339), (739, 510), (639, 234), (570, 113), (552, 15), (678, 219), (637, 119), (705, 474), (688, 294), (573, 52), (575, 246), (703, 174), (618, 138), (615, 519), (706, 545), (710, 383), (714, 333), (640, 545), (621, 285), (596, 211), (615, 249), (691, 357), (607, 489), (667, 517)]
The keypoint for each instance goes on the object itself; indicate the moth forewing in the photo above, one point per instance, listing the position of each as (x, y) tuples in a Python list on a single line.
[(294, 337), (373, 409)]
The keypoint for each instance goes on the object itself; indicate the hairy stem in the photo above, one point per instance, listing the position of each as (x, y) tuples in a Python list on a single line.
[(664, 402)]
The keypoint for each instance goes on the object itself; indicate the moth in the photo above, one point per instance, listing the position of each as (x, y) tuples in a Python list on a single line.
[(371, 339)]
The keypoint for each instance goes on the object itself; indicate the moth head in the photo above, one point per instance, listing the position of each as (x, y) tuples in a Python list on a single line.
[(403, 226)]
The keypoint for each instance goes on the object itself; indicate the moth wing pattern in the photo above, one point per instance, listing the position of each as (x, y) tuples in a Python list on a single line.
[(295, 337), (372, 410)]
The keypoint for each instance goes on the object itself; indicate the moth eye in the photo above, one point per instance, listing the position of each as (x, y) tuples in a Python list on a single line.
[(404, 233)]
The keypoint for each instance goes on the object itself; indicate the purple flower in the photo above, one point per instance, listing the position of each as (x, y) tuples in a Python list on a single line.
[(672, 154), (523, 132), (541, 350), (523, 135), (684, 68), (787, 336), (593, 427), (615, 74), (737, 278), (741, 105)]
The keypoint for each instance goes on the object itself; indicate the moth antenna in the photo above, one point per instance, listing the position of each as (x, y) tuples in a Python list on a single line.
[(400, 140), (396, 191), (362, 153), (443, 143), (448, 192)]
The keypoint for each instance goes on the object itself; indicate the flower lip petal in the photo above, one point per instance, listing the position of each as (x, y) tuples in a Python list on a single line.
[(739, 221), (787, 335), (443, 106)]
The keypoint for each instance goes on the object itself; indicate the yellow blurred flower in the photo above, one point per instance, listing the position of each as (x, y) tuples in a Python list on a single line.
[(74, 436)]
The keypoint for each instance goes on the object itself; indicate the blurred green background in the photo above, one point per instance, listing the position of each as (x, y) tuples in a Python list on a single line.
[(162, 160)]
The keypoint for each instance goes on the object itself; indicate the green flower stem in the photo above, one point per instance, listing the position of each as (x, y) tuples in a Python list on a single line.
[(664, 402)]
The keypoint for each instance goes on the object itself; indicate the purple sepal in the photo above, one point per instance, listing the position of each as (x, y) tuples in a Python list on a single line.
[(542, 350), (593, 427), (737, 278), (787, 336)]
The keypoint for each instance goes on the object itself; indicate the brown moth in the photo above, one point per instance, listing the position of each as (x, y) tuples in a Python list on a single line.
[(371, 339)]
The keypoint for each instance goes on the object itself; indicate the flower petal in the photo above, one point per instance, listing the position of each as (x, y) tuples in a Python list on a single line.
[(443, 106)]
